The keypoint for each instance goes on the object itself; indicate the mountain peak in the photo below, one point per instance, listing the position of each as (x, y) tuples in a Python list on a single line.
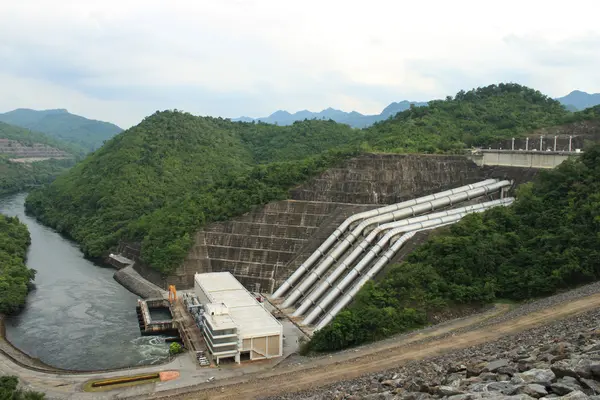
[(579, 100)]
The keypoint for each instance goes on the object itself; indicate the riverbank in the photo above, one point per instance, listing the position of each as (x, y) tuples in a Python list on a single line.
[(19, 357)]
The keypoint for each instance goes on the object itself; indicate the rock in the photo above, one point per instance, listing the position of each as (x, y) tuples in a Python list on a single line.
[(534, 390), (475, 369), (561, 348), (547, 357), (502, 387), (540, 376), (517, 380), (488, 376), (575, 368), (390, 383), (595, 369), (415, 396), (448, 390), (502, 378), (508, 370), (524, 366), (460, 397), (457, 368), (453, 378), (494, 365), (576, 395), (591, 348), (591, 384), (565, 385)]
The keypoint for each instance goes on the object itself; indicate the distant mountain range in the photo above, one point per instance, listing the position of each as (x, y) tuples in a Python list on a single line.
[(86, 133), (574, 101), (354, 119), (578, 100)]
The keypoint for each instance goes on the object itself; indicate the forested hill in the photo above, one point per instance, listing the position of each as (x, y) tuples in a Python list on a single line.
[(28, 137), (161, 180), (546, 241), (16, 176), (60, 124), (470, 118), (15, 277)]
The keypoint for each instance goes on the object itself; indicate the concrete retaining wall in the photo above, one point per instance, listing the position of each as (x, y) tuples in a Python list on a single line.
[(263, 247), (522, 159), (134, 282)]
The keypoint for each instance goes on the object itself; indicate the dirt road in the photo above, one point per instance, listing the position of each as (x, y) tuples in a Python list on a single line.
[(371, 359)]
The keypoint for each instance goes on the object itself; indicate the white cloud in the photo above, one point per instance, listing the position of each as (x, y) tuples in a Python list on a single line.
[(121, 60)]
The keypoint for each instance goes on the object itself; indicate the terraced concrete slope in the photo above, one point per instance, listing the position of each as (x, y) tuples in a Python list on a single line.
[(264, 247), (17, 150)]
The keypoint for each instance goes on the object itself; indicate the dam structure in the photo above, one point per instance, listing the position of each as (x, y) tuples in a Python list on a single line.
[(265, 247)]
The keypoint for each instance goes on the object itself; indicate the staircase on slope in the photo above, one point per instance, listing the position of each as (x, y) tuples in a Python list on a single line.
[(262, 248)]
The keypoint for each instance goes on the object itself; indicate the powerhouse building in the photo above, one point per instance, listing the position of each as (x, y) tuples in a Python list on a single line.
[(235, 324)]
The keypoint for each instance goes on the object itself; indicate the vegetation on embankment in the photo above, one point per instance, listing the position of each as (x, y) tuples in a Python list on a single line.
[(86, 134), (16, 177), (15, 277), (163, 179), (28, 137), (546, 241), (9, 390)]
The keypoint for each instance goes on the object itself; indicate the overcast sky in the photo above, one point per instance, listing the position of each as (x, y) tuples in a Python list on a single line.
[(122, 60)]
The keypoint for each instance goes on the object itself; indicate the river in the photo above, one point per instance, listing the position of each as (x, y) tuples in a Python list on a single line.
[(78, 317)]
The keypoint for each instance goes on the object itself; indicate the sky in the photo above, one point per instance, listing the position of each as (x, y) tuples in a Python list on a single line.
[(120, 61)]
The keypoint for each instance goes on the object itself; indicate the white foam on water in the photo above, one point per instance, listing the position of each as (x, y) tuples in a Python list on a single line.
[(153, 349)]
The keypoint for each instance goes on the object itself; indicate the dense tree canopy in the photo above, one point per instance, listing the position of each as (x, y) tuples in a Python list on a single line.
[(166, 177), (15, 177), (9, 390), (15, 277), (87, 134), (29, 137), (546, 241), (470, 118), (161, 180)]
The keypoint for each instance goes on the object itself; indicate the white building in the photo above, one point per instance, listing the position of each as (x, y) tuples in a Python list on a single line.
[(235, 323)]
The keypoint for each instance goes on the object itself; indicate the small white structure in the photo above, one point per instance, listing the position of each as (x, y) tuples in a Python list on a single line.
[(235, 323)]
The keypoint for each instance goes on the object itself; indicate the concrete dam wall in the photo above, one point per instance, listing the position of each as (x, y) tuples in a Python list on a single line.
[(263, 247)]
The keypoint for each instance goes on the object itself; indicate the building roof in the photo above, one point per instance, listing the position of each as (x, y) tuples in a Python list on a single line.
[(250, 317)]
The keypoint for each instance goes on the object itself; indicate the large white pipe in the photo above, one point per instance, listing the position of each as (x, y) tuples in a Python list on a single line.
[(371, 273), (347, 242), (324, 247), (384, 260), (347, 262)]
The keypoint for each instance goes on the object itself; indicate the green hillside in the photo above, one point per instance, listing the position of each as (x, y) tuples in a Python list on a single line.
[(16, 177), (546, 241), (470, 118), (29, 137), (161, 180), (86, 133), (15, 277)]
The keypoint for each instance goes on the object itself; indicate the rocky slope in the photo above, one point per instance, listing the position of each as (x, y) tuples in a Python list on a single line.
[(560, 360)]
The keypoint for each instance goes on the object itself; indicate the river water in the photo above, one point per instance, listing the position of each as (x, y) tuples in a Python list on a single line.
[(78, 317)]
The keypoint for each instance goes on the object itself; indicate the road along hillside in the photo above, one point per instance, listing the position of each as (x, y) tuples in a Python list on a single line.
[(357, 364)]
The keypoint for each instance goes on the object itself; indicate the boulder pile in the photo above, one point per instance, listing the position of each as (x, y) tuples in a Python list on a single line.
[(560, 360)]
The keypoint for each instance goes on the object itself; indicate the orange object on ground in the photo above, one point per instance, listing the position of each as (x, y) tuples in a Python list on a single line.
[(172, 293), (168, 375)]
